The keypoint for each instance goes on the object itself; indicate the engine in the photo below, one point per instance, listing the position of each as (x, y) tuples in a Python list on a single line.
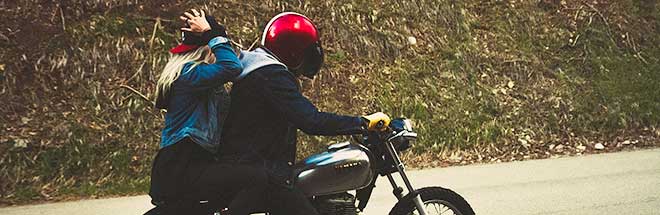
[(336, 204)]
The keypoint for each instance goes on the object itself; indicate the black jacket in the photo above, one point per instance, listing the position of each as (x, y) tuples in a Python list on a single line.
[(266, 109)]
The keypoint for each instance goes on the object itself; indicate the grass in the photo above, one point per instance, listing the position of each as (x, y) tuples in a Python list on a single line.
[(484, 80)]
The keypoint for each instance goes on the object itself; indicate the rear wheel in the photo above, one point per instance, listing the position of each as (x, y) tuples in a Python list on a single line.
[(437, 200)]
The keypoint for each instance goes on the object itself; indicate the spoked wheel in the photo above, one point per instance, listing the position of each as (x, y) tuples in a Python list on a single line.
[(439, 207), (437, 201)]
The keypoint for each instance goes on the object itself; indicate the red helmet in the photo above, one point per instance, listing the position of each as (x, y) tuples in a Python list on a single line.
[(293, 38)]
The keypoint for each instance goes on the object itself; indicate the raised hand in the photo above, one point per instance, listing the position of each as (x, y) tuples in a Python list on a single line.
[(196, 21)]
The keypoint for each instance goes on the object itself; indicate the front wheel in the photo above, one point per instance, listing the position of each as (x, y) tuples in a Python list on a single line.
[(437, 200)]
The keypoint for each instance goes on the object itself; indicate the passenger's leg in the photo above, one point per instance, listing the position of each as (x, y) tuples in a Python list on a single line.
[(167, 176)]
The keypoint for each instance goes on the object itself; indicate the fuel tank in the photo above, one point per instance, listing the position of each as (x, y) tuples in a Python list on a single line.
[(342, 167)]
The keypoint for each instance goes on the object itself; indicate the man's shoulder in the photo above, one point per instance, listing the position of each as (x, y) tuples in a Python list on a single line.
[(258, 59), (269, 72)]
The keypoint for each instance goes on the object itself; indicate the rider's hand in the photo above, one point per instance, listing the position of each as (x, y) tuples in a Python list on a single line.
[(377, 121), (196, 21)]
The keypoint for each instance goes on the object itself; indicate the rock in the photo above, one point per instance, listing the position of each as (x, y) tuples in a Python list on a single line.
[(627, 142), (524, 143), (581, 147), (25, 120), (599, 146), (412, 40), (559, 147), (20, 143)]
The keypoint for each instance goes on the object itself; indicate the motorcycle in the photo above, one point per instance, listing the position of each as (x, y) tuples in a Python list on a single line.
[(345, 167), (327, 177)]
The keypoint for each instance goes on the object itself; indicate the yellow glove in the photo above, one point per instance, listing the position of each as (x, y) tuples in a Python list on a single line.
[(374, 121)]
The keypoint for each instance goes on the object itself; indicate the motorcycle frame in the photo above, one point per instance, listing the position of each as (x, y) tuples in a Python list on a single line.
[(385, 170)]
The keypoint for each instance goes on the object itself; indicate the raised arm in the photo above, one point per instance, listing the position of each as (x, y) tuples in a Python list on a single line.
[(226, 66)]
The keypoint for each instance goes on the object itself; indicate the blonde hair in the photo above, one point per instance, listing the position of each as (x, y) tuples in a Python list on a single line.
[(174, 66)]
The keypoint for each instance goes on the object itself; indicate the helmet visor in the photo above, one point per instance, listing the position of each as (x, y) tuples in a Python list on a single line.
[(312, 61)]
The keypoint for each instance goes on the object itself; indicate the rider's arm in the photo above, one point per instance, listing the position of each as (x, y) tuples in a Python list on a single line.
[(204, 76), (282, 92)]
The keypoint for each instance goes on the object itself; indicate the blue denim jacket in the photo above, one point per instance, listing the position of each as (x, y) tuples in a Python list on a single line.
[(196, 99)]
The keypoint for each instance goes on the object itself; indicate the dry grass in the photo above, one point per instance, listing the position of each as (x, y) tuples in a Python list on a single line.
[(484, 81)]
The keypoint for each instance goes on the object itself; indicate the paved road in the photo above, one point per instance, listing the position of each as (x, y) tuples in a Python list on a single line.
[(618, 183)]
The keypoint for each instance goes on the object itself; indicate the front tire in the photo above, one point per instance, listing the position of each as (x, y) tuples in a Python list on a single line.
[(437, 200)]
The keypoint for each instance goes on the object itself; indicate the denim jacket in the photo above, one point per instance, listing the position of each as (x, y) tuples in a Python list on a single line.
[(197, 101)]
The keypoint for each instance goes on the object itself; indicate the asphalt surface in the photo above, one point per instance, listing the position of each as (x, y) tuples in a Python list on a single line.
[(617, 183)]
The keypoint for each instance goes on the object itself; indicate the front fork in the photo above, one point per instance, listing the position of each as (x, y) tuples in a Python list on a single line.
[(398, 190)]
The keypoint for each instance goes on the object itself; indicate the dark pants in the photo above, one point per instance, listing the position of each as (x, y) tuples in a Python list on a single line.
[(184, 173), (285, 201), (277, 199)]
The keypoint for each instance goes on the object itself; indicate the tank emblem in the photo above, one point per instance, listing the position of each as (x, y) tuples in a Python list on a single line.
[(347, 165)]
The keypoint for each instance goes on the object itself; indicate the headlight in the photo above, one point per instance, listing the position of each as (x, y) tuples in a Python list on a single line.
[(400, 124)]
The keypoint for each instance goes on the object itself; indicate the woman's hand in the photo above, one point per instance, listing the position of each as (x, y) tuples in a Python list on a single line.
[(196, 21)]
